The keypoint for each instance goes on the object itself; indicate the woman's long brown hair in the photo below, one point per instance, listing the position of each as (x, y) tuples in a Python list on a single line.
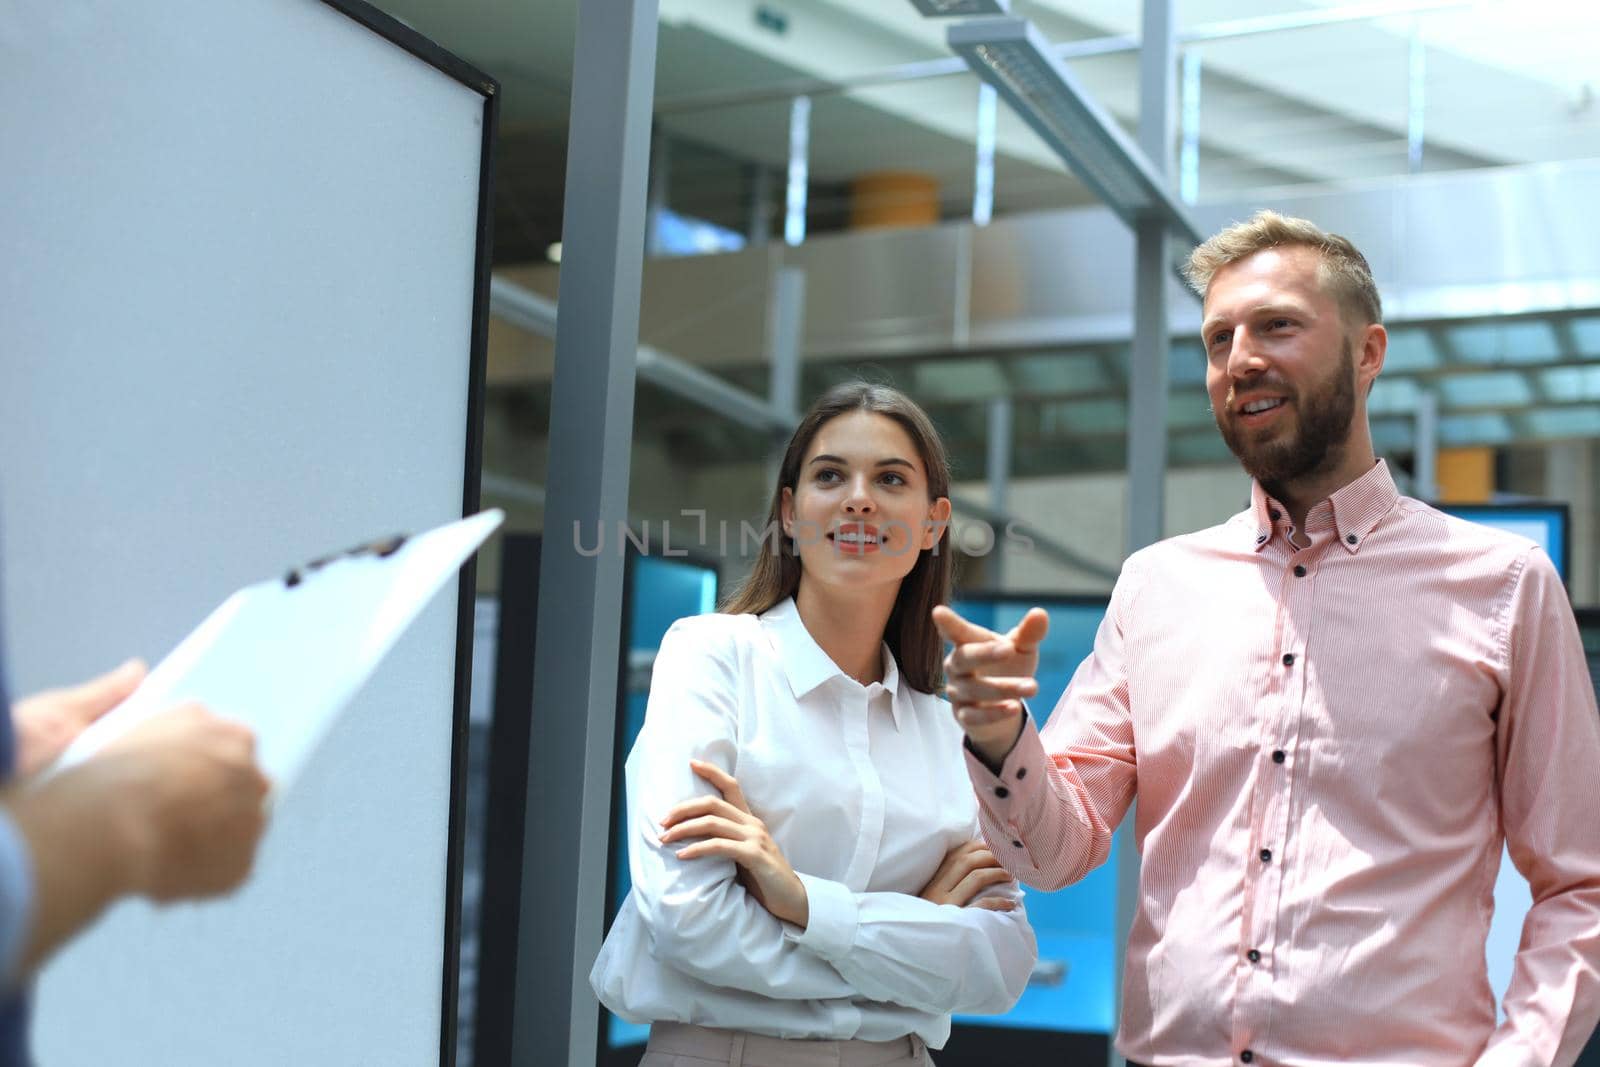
[(910, 634)]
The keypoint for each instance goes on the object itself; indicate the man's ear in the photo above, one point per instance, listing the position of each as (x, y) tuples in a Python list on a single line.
[(1373, 349)]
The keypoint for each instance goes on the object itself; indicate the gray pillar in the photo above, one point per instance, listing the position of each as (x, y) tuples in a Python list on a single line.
[(786, 309), (1416, 100), (1147, 383), (1570, 472), (1425, 482), (997, 472), (983, 173), (1189, 161), (660, 175), (757, 227), (794, 215), (591, 422), (785, 321)]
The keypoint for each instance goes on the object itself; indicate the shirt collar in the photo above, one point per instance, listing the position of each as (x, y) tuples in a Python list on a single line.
[(807, 666), (1353, 512)]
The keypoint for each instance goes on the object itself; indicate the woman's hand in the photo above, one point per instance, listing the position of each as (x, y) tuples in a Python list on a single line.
[(726, 827), (967, 870)]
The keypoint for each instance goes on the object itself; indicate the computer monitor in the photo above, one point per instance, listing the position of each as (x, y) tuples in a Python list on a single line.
[(1589, 630), (1545, 523), (1067, 1012), (659, 591)]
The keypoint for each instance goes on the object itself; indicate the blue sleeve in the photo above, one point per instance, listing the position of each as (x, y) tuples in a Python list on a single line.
[(16, 895)]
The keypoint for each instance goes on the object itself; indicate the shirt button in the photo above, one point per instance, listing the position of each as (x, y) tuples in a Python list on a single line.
[(1001, 791), (1351, 538), (1279, 756), (1017, 844), (1288, 659), (1022, 772), (1247, 1056), (1299, 571), (1266, 855), (1276, 514), (1253, 956)]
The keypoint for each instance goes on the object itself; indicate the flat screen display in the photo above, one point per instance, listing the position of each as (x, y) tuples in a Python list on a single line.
[(661, 590), (1544, 524), (1073, 985)]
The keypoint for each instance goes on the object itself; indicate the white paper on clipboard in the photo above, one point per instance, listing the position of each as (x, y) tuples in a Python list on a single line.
[(285, 659)]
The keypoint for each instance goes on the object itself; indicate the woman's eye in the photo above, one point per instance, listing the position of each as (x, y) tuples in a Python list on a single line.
[(828, 475), (892, 478)]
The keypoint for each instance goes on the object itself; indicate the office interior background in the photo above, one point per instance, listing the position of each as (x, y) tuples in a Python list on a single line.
[(834, 193), (834, 189)]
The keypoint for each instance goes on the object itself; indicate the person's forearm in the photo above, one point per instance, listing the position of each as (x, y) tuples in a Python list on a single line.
[(935, 958), (993, 744), (76, 848)]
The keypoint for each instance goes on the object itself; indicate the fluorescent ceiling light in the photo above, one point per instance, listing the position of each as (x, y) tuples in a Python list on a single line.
[(1011, 55), (946, 8)]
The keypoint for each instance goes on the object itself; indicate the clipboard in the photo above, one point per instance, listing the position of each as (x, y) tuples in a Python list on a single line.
[(286, 655)]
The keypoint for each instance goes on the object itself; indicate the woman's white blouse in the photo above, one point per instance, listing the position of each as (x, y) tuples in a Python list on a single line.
[(864, 789)]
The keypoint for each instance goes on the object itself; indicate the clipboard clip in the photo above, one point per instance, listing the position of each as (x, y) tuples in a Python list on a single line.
[(383, 547)]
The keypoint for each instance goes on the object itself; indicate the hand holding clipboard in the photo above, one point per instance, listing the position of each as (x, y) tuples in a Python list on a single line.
[(286, 655)]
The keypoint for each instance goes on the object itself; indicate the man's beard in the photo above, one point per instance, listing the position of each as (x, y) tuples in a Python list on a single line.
[(1323, 415)]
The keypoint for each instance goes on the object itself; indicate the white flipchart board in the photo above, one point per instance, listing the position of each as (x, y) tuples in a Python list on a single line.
[(240, 267)]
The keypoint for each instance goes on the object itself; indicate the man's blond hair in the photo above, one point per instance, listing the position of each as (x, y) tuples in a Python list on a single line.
[(1343, 272)]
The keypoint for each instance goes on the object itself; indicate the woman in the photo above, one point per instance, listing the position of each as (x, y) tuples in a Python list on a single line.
[(801, 828)]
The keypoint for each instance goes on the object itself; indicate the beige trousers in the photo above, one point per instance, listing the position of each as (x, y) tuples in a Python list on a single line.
[(679, 1045)]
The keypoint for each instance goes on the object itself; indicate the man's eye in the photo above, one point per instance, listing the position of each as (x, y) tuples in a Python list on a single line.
[(1221, 337), (1279, 324)]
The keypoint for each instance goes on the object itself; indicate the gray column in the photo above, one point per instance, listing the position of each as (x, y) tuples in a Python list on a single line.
[(1189, 161), (997, 472), (983, 171), (758, 227), (1147, 382), (794, 214), (786, 312), (1416, 100), (1571, 475), (1425, 482), (1147, 366), (580, 603), (660, 175), (785, 323)]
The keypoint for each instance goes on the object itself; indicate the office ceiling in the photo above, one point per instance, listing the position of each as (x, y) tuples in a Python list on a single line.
[(1493, 82), (1500, 81)]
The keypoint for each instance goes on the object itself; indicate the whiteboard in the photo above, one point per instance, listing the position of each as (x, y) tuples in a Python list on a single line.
[(242, 281)]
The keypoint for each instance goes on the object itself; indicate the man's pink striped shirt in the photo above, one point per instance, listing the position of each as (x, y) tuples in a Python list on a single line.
[(1328, 746)]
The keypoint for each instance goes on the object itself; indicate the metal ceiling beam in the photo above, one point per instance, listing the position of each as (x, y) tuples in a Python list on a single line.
[(522, 307), (706, 390), (1013, 56), (537, 314)]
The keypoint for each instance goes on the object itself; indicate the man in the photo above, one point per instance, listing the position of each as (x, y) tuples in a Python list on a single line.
[(171, 811), (1332, 709)]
